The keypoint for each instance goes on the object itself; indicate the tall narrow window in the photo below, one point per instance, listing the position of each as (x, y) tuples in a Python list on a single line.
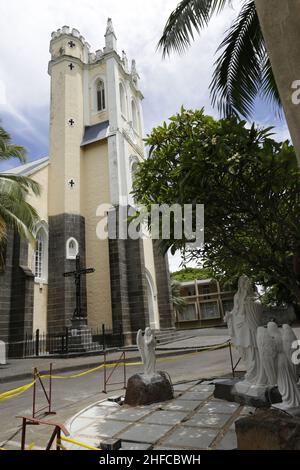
[(123, 100), (72, 248), (41, 256), (135, 121), (100, 95)]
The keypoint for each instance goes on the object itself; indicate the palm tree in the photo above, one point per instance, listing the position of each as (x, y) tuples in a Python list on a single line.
[(242, 70), (15, 211)]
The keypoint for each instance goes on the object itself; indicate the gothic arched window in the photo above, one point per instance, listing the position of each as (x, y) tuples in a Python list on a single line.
[(72, 248), (41, 256), (135, 117), (123, 100), (100, 94)]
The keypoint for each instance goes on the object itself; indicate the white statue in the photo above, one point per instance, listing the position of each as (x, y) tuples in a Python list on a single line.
[(286, 371), (243, 321), (146, 345), (2, 353)]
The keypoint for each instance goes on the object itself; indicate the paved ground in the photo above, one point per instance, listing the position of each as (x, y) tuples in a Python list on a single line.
[(193, 420), (70, 396)]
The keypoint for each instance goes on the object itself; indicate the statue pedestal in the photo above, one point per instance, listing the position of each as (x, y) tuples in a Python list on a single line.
[(144, 390), (239, 391)]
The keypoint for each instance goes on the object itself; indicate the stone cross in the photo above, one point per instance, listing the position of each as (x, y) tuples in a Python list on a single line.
[(78, 314), (2, 353)]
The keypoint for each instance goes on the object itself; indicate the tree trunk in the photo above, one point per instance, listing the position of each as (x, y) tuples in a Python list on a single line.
[(280, 23)]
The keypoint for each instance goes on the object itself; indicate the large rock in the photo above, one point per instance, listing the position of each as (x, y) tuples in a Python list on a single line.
[(144, 390), (268, 430), (228, 389)]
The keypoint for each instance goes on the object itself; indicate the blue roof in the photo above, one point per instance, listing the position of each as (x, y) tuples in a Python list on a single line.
[(95, 133)]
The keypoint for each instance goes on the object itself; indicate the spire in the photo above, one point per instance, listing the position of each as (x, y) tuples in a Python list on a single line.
[(110, 37)]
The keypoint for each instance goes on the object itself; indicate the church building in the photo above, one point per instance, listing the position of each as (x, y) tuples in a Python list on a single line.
[(96, 141)]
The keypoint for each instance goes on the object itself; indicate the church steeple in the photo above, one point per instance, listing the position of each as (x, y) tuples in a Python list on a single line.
[(110, 37)]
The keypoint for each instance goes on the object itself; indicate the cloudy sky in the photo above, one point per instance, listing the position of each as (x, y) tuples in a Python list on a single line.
[(25, 29)]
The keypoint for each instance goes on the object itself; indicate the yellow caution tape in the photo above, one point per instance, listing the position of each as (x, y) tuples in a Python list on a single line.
[(30, 446), (1, 448), (80, 444), (18, 391)]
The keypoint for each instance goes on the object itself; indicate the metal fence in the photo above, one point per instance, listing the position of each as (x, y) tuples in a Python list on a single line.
[(49, 344)]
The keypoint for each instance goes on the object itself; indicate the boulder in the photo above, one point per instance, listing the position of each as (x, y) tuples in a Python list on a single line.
[(144, 390), (268, 430)]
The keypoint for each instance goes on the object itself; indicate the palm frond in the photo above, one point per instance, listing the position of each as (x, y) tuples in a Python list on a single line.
[(9, 150), (188, 16), (238, 70), (27, 184), (243, 70)]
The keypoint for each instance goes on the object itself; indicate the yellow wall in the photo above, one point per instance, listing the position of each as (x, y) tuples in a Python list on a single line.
[(94, 191), (40, 203)]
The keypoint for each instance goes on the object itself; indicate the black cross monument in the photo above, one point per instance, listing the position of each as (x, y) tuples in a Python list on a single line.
[(79, 318)]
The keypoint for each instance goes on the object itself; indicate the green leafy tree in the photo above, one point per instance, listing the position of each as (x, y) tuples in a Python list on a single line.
[(242, 70), (190, 274), (15, 211), (250, 187)]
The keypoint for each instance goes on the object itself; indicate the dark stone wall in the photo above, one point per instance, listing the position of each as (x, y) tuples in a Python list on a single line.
[(16, 292), (128, 285), (163, 287), (61, 290)]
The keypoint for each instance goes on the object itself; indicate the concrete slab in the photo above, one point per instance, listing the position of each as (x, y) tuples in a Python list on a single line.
[(130, 414), (208, 420), (135, 446), (203, 388), (150, 433), (166, 417), (97, 411), (80, 423), (105, 428), (182, 405), (192, 438), (219, 406), (183, 387), (228, 442), (195, 395)]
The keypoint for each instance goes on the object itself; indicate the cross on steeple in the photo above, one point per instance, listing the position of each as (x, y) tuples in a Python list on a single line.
[(71, 66), (71, 183), (71, 44), (71, 122), (78, 313)]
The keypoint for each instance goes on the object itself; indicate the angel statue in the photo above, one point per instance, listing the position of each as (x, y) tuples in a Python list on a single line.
[(275, 347), (243, 321), (146, 345)]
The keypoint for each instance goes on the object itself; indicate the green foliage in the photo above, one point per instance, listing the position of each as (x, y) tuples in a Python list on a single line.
[(190, 274), (15, 211), (250, 186), (242, 69)]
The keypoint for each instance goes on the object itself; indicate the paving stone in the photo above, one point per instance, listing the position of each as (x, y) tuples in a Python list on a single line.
[(195, 395), (182, 405), (207, 420), (99, 411), (203, 388), (194, 438), (135, 446), (228, 442), (182, 387), (131, 414), (80, 423), (108, 428), (165, 417), (220, 406), (150, 433)]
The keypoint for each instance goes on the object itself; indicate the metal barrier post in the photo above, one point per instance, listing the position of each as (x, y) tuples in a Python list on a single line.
[(34, 391), (37, 342), (231, 360), (124, 369)]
